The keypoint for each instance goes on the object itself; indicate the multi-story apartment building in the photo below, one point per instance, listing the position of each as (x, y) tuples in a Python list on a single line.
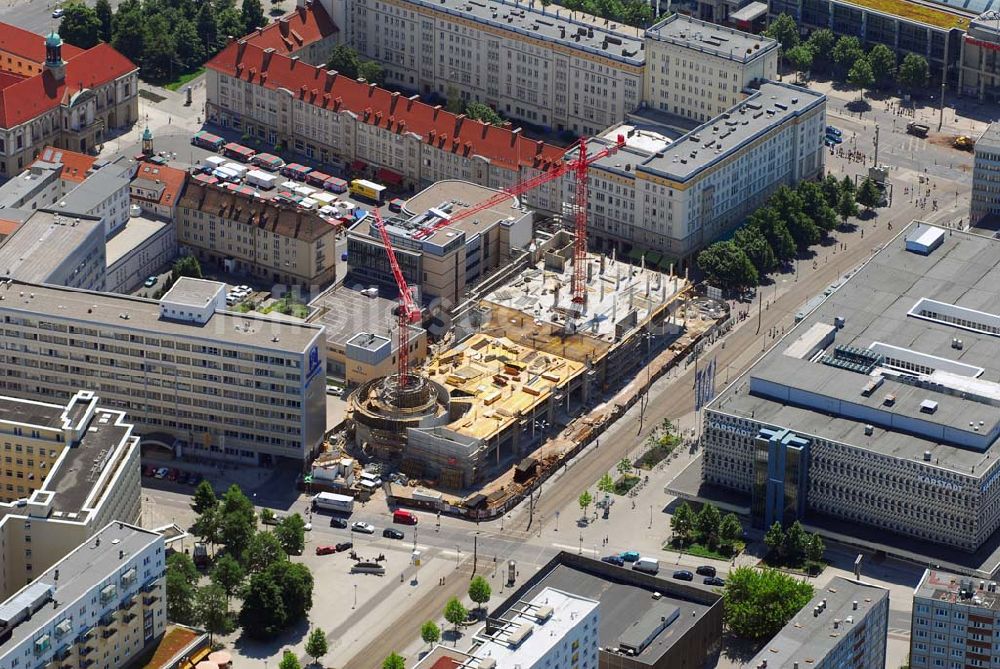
[(544, 65), (699, 70), (329, 118), (674, 198), (192, 376), (985, 202), (68, 470), (53, 94), (157, 189), (953, 622), (57, 249), (877, 413), (845, 625), (245, 234), (979, 69), (100, 606)]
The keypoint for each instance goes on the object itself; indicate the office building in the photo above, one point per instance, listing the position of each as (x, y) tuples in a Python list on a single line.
[(985, 205), (547, 66), (192, 376), (676, 197), (698, 70), (144, 247), (51, 176), (844, 625), (104, 195), (63, 250), (368, 130), (69, 470), (553, 629), (879, 408), (54, 94), (440, 264), (157, 189), (238, 232), (100, 606), (953, 621), (979, 69)]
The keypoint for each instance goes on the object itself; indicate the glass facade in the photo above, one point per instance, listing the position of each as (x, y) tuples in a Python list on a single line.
[(780, 478)]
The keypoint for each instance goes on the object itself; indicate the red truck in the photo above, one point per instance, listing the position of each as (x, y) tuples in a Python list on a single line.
[(404, 517)]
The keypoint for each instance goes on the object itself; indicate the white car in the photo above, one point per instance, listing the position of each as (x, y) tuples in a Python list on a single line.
[(161, 472), (58, 13), (363, 527), (334, 390)]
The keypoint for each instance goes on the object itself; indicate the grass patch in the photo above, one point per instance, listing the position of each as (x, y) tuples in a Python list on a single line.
[(915, 12), (701, 550), (806, 567), (287, 306), (625, 483), (184, 79)]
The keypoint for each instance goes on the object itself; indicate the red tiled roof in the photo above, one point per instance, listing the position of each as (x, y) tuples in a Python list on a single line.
[(26, 99), (9, 78), (377, 106), (28, 45), (7, 228), (295, 31), (75, 165), (171, 178)]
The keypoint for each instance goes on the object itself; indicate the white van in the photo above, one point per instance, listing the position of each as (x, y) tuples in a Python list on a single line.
[(647, 565)]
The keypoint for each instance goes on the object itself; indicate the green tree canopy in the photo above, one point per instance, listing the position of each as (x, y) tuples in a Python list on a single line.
[(730, 530), (815, 548), (638, 13), (228, 574), (105, 15), (182, 576), (707, 523), (754, 244), (316, 645), (212, 609), (484, 113), (774, 539), (188, 265), (759, 602), (845, 52), (831, 190), (821, 44), (795, 543), (455, 614), (682, 522), (815, 205), (606, 483), (264, 550), (790, 207), (263, 613), (860, 75), (207, 526), (208, 28), (237, 522), (291, 533), (625, 466), (869, 195), (800, 57), (479, 591), (252, 14), (344, 60), (585, 500), (772, 226), (190, 50), (204, 498), (430, 633), (727, 266), (394, 661), (785, 31), (160, 47), (913, 72), (80, 26), (289, 661), (883, 62), (128, 35), (372, 72), (847, 207)]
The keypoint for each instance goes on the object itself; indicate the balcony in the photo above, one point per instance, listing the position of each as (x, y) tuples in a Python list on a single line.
[(128, 617), (149, 600), (127, 605), (150, 587), (86, 663), (86, 650), (84, 636), (108, 632), (107, 619)]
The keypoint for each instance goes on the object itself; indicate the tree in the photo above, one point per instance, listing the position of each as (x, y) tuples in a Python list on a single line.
[(230, 22), (861, 75), (128, 35), (190, 50), (212, 609), (289, 661), (606, 483), (207, 526), (815, 548), (727, 266), (682, 522), (291, 533), (275, 599), (484, 113), (208, 28), (869, 195), (821, 44), (847, 186), (454, 102), (372, 72), (795, 544), (264, 550), (237, 522), (707, 524), (883, 62), (758, 603), (847, 207), (296, 582), (160, 47), (105, 15), (182, 576), (845, 52), (228, 575), (252, 14), (790, 208), (801, 58), (266, 516), (774, 539), (772, 226), (394, 661), (784, 30), (204, 498), (316, 645), (831, 190), (479, 591), (913, 72), (80, 26), (430, 633), (344, 60), (730, 530), (754, 244), (585, 501), (189, 266), (815, 205), (625, 466), (456, 614)]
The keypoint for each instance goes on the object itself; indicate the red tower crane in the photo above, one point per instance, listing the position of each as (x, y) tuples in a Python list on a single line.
[(579, 166), (409, 312)]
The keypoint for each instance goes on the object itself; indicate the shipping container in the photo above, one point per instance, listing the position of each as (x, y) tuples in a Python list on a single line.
[(368, 190)]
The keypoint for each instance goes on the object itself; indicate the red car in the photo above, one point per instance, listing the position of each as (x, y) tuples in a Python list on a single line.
[(326, 550), (172, 476)]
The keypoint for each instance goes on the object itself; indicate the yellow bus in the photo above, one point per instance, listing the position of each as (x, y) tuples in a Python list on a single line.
[(367, 190)]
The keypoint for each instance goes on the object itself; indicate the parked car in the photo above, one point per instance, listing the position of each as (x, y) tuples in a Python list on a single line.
[(713, 580), (336, 391), (273, 519), (150, 281), (345, 546), (173, 474), (835, 139), (338, 522), (362, 527), (630, 556), (391, 533), (830, 130), (613, 559), (326, 550), (162, 472), (683, 575), (705, 570), (58, 13)]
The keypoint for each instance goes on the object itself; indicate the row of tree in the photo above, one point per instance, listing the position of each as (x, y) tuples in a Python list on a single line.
[(790, 222), (638, 13), (794, 547), (164, 37), (708, 527), (845, 58)]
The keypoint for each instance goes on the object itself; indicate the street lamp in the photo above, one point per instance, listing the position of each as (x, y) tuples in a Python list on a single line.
[(650, 516), (355, 605)]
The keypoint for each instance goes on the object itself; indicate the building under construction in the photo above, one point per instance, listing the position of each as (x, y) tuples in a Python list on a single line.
[(527, 358)]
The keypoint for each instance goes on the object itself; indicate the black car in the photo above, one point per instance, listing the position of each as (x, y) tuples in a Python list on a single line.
[(614, 559), (391, 533), (338, 522), (345, 546), (683, 575), (705, 570), (713, 580)]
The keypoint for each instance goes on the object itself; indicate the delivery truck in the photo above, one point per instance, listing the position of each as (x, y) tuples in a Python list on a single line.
[(261, 179)]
